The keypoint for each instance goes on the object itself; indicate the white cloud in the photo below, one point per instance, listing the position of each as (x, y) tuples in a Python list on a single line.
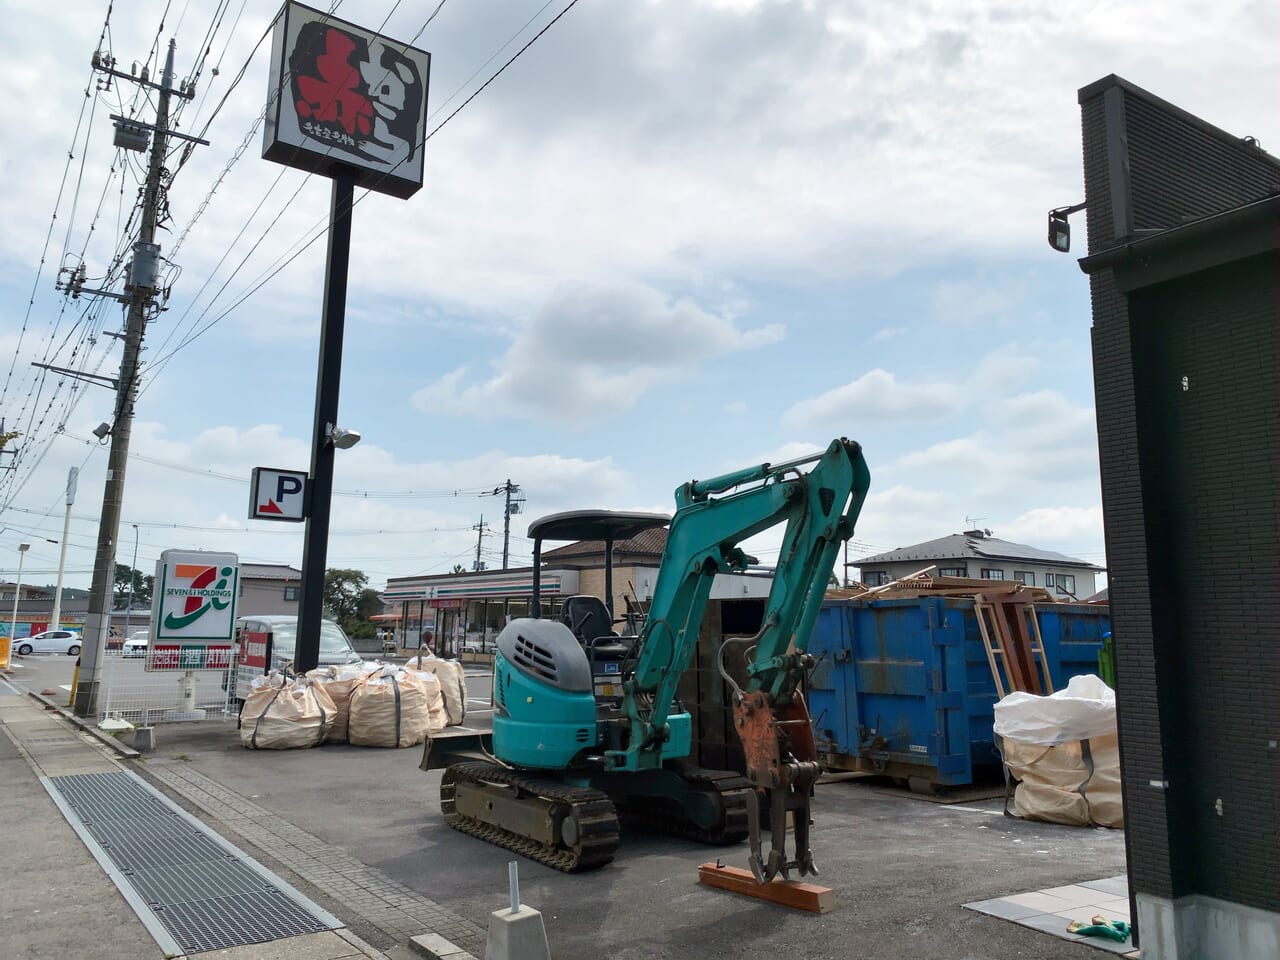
[(884, 334), (877, 394), (591, 352), (971, 302), (1055, 525)]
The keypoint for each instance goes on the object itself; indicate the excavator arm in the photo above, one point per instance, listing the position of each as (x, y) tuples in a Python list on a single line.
[(819, 508)]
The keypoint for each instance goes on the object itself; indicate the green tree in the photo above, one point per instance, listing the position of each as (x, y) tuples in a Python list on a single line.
[(142, 585), (343, 590)]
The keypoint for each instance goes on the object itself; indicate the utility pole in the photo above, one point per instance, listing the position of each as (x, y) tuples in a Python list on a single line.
[(513, 506), (140, 288), (483, 528)]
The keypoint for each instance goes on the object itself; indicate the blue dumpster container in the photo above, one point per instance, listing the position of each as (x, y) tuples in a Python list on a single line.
[(904, 687)]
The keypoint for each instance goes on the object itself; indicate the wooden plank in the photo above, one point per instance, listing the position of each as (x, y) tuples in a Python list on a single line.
[(786, 893)]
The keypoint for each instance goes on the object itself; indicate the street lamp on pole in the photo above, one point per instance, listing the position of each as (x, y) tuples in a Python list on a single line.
[(17, 592)]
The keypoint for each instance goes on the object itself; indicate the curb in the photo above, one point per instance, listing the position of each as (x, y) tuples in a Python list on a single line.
[(435, 947), (87, 726)]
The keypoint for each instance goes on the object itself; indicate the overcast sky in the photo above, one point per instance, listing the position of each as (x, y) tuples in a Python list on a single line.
[(672, 239)]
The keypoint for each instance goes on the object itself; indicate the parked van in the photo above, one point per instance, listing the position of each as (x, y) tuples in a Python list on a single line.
[(269, 642)]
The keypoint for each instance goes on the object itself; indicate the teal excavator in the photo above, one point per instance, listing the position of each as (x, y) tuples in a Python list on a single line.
[(587, 726)]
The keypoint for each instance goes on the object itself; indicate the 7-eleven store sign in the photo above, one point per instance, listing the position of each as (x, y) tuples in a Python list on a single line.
[(193, 609)]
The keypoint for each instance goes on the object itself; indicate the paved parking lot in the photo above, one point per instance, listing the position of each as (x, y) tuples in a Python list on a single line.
[(359, 829)]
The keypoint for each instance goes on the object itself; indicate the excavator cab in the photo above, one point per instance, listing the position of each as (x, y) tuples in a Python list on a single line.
[(590, 618)]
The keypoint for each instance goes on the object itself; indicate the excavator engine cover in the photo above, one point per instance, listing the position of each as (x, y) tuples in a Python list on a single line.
[(544, 708)]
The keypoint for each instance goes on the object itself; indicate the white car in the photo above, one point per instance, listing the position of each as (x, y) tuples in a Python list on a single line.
[(136, 645), (50, 641)]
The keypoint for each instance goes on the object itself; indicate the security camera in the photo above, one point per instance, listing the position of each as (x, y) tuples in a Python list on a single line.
[(101, 430)]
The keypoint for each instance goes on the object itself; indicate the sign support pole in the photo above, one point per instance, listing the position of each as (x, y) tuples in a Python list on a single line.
[(315, 542)]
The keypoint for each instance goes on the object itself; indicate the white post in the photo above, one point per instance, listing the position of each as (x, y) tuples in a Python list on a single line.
[(514, 877), (133, 573), (72, 474), (17, 592)]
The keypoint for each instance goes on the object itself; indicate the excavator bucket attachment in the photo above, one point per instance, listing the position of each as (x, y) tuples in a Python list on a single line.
[(781, 762)]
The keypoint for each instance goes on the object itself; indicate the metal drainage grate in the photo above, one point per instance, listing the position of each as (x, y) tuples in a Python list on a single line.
[(192, 889)]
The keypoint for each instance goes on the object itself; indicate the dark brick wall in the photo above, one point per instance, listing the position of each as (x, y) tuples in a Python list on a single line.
[(1181, 655), (1209, 472), (1141, 731), (1204, 175)]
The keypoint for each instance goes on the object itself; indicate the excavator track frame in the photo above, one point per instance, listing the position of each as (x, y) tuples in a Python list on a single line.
[(591, 813), (732, 791)]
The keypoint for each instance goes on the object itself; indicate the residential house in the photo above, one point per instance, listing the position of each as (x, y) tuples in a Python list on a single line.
[(268, 588), (977, 554)]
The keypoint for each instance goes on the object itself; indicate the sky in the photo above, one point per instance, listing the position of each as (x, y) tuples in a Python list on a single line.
[(672, 239)]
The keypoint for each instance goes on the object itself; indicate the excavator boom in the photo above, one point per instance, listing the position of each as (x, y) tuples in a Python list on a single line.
[(819, 508)]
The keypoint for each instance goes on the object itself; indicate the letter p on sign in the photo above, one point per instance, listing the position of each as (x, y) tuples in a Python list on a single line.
[(278, 495)]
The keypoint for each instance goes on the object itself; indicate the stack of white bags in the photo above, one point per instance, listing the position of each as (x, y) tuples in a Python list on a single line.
[(366, 704)]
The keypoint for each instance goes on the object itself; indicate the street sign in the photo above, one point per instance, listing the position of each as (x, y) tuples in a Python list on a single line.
[(193, 605), (278, 495), (344, 98)]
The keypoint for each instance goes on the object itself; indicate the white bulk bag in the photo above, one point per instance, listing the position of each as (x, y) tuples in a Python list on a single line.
[(453, 684), (1064, 750), (394, 709), (289, 714)]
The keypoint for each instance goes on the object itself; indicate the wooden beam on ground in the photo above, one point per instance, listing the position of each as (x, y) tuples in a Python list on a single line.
[(786, 893)]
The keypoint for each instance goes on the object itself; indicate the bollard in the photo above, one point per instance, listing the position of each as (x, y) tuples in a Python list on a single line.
[(75, 682), (518, 934)]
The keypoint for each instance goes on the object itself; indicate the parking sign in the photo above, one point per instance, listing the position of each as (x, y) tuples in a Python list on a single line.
[(278, 495)]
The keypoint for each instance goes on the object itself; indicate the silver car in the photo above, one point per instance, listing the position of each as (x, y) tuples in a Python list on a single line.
[(49, 641), (280, 632)]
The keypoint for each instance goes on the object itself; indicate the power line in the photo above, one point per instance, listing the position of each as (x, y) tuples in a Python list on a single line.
[(321, 226)]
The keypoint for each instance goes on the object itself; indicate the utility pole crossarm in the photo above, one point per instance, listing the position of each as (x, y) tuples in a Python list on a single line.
[(97, 379)]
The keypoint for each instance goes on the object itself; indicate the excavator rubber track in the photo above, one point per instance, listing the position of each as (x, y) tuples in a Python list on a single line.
[(734, 790), (593, 814)]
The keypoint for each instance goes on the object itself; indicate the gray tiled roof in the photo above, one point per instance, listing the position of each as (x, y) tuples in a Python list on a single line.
[(269, 571), (649, 543), (960, 546)]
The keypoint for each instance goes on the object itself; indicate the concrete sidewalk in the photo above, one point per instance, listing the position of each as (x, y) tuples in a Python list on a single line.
[(59, 902)]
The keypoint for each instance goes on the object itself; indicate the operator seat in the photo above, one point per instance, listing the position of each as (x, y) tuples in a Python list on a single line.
[(587, 617)]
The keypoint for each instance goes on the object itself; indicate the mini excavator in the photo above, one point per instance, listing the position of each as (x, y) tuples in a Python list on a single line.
[(587, 726)]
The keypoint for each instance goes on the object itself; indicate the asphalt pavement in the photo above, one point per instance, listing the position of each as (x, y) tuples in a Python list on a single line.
[(359, 831)]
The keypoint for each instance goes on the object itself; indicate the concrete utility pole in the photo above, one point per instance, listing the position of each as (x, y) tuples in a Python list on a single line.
[(141, 285), (483, 528), (513, 506)]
